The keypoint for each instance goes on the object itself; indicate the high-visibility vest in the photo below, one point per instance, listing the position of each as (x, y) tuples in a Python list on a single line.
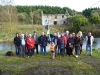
[(52, 47)]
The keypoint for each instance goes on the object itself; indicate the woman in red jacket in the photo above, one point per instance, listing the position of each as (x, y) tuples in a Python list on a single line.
[(30, 42)]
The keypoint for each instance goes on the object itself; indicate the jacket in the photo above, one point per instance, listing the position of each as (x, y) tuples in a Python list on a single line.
[(76, 41), (17, 41), (36, 39), (52, 47), (62, 42), (30, 43), (81, 40), (91, 39), (43, 40), (55, 39)]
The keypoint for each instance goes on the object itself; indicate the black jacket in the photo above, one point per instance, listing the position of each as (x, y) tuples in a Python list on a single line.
[(42, 40), (17, 41)]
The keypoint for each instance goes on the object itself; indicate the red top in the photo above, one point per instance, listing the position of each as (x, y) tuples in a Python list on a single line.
[(30, 43), (63, 39)]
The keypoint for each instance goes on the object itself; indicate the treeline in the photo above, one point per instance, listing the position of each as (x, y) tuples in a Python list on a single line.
[(32, 14), (45, 9), (29, 14), (87, 11), (93, 15), (90, 16)]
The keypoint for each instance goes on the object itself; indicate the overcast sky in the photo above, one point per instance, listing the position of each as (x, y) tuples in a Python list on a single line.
[(77, 5)]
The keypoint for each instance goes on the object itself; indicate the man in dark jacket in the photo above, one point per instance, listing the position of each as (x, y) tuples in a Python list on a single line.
[(17, 42), (55, 41), (43, 43)]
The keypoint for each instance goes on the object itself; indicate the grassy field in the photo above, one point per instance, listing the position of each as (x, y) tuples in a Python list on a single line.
[(44, 65), (6, 35)]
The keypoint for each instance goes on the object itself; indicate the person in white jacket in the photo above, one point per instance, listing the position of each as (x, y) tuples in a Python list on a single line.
[(89, 43)]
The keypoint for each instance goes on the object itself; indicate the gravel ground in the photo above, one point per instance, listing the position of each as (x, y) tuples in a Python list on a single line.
[(40, 70), (94, 62)]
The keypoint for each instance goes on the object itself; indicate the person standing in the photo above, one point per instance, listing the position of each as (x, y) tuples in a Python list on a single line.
[(22, 46), (77, 44), (67, 41), (62, 44), (55, 41), (35, 36), (26, 36), (71, 45), (73, 37), (52, 49), (58, 47), (42, 41), (81, 41), (17, 43), (89, 43), (30, 42)]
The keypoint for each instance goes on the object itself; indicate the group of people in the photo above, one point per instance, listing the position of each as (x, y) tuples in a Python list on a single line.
[(64, 44)]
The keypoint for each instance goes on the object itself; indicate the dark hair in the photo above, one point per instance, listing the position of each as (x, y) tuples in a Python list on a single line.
[(17, 33), (34, 32)]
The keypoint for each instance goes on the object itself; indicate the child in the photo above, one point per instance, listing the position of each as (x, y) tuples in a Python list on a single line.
[(52, 49)]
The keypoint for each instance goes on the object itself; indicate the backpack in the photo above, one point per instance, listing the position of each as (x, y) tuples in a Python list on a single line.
[(9, 53)]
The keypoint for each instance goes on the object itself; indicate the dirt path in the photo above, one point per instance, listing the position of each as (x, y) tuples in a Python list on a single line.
[(94, 62), (42, 68)]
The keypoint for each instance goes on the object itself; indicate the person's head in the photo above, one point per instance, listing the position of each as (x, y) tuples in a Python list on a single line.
[(34, 32), (80, 33), (62, 34), (67, 32), (73, 34), (70, 35), (55, 34), (17, 34), (52, 43), (22, 35), (77, 35), (43, 33), (30, 35), (89, 34)]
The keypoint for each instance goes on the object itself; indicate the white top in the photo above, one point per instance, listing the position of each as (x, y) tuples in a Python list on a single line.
[(91, 39)]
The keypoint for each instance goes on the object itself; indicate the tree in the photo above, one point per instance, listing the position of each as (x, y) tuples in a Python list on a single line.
[(78, 21), (31, 15), (37, 17), (87, 12), (8, 14), (95, 17), (22, 17)]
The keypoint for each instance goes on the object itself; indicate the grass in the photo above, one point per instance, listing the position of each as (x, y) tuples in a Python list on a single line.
[(7, 36), (16, 65), (83, 65)]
